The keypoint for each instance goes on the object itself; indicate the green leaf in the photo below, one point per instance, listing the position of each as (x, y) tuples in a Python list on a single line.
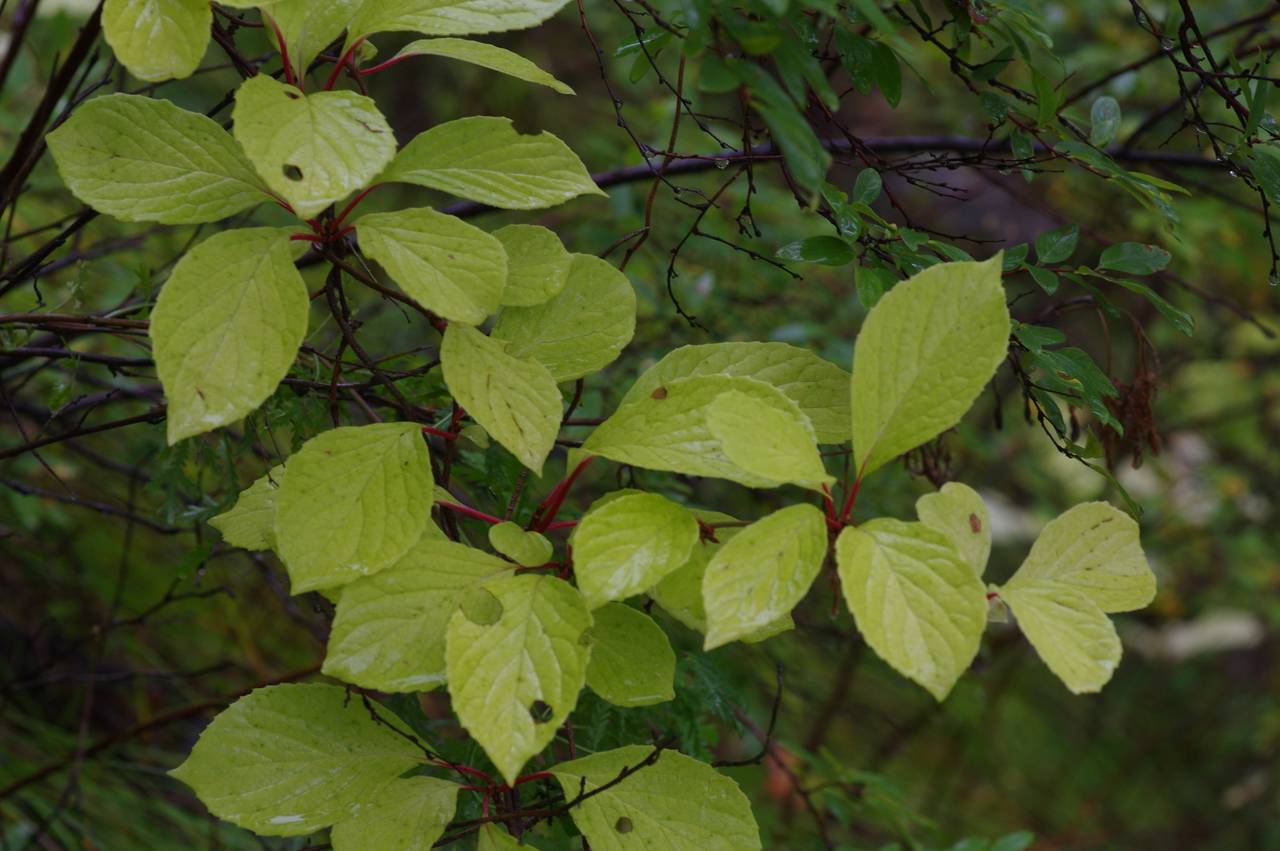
[(680, 593), (315, 149), (1181, 320), (868, 187), (353, 503), (926, 350), (1070, 633), (676, 804), (887, 72), (1104, 121), (257, 764), (450, 17), (762, 573), (529, 549), (917, 603), (803, 153), (632, 663), (144, 160), (537, 264), (958, 512), (517, 655), (1094, 549), (579, 330), (627, 544), (158, 39), (250, 523), (441, 262), (1072, 371), (220, 351), (493, 838), (668, 428), (484, 159), (389, 629), (408, 815), (1057, 246), (819, 387), (1134, 258), (825, 250), (486, 56), (1047, 280), (308, 27), (766, 441), (515, 400)]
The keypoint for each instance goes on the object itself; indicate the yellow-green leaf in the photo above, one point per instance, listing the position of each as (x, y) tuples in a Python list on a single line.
[(451, 17), (250, 523), (925, 352), (675, 804), (581, 329), (769, 442), (354, 501), (408, 815), (227, 327), (529, 549), (308, 27), (918, 605), (1073, 636), (145, 160), (760, 575), (443, 263), (158, 39), (819, 387), (632, 663), (494, 838), (258, 764), (315, 149), (484, 159), (486, 56), (389, 629), (537, 264), (517, 655), (515, 400), (627, 544), (958, 512)]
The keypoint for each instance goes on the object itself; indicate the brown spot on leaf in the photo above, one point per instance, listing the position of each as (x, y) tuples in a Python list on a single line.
[(659, 394), (975, 523)]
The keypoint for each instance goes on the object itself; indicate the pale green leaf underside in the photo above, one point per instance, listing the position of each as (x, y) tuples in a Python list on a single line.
[(484, 159), (530, 549), (918, 605), (515, 400), (289, 760), (441, 262), (353, 503), (581, 329), (221, 350), (675, 804), (537, 264), (1070, 633), (450, 17), (766, 441), (309, 27), (250, 523), (958, 512), (314, 149), (408, 815), (524, 655), (486, 56), (819, 387), (140, 159), (760, 575), (632, 663), (628, 544), (493, 838), (680, 593), (158, 39), (1093, 548), (389, 629), (667, 429), (925, 352)]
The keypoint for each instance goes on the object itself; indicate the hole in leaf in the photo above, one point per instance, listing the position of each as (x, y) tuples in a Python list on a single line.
[(975, 524), (540, 712), (659, 394), (481, 607), (292, 172), (623, 825)]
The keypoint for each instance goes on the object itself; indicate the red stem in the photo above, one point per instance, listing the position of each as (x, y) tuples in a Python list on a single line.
[(470, 512), (447, 435), (537, 775), (550, 506), (342, 63), (853, 496), (561, 524), (284, 55), (346, 211), (395, 60)]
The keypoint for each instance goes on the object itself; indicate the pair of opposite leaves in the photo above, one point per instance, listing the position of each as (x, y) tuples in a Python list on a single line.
[(290, 760), (166, 39), (222, 349)]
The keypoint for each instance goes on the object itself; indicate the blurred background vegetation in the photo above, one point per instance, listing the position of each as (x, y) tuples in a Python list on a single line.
[(124, 623)]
